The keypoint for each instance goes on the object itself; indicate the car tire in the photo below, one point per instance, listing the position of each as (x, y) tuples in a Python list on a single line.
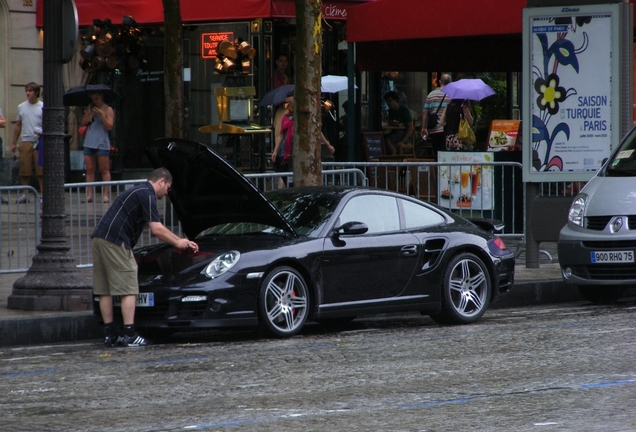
[(283, 303), (601, 295), (466, 290)]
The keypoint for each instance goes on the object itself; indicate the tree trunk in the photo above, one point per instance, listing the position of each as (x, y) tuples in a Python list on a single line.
[(173, 68), (307, 116)]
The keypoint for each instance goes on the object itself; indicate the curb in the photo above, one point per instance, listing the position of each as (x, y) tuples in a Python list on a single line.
[(45, 330), (532, 293), (79, 326)]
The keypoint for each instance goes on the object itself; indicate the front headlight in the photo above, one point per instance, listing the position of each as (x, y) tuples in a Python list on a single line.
[(577, 210), (222, 263)]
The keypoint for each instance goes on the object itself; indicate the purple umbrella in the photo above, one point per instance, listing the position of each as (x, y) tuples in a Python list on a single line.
[(472, 89)]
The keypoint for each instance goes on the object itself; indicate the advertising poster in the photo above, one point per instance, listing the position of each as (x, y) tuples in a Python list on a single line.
[(571, 92), (467, 183), (504, 135)]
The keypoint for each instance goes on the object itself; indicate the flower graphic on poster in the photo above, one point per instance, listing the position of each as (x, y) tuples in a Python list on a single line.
[(550, 92)]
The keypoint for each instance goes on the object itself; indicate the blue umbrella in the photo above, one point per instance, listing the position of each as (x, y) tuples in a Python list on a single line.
[(276, 96)]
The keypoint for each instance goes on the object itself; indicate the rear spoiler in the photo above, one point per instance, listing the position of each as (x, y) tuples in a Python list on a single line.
[(489, 225)]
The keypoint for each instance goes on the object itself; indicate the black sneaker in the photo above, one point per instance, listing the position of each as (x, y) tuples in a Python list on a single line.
[(133, 341), (112, 340)]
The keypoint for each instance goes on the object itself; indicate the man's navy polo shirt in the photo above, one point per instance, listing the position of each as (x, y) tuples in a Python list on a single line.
[(128, 215)]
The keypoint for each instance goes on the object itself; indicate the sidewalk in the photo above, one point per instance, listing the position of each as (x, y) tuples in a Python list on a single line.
[(532, 287)]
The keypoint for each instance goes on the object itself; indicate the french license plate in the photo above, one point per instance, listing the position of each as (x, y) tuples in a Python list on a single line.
[(143, 300), (617, 257)]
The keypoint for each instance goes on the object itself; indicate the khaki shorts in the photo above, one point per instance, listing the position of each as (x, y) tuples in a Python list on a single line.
[(114, 269), (27, 159)]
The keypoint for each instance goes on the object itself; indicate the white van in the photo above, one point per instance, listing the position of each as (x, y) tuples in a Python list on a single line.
[(597, 246)]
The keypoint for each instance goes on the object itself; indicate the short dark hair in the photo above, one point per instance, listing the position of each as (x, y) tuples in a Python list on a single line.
[(160, 173), (33, 86), (282, 54), (290, 94), (391, 95)]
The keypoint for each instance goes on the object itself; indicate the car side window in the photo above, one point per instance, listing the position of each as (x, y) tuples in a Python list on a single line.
[(380, 213), (419, 216)]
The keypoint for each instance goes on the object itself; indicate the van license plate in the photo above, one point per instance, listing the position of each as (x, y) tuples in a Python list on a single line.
[(617, 257), (143, 300)]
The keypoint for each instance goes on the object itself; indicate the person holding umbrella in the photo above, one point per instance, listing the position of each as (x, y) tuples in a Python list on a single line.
[(100, 118), (461, 93), (284, 139), (450, 121)]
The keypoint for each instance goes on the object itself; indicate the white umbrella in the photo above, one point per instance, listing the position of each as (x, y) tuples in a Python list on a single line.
[(334, 83)]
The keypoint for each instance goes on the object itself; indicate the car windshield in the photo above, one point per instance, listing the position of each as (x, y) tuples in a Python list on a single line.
[(624, 161), (307, 213)]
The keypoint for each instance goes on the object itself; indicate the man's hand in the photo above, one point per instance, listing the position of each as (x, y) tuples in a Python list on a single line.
[(188, 244)]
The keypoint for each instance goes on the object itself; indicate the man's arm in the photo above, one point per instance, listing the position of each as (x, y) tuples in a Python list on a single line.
[(407, 133), (424, 122), (3, 122), (167, 236), (16, 135)]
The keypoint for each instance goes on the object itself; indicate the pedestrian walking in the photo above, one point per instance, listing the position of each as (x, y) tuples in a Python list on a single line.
[(434, 106), (114, 266), (28, 128)]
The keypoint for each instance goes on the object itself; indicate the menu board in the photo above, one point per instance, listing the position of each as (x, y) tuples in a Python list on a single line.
[(504, 135), (373, 145)]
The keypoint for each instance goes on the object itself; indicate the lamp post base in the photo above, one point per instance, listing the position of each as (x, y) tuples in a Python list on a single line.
[(52, 284)]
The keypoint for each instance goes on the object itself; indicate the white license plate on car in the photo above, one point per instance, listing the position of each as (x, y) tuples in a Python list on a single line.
[(617, 257), (143, 300)]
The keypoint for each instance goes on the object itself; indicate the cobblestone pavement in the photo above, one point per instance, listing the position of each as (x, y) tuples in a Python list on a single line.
[(544, 368)]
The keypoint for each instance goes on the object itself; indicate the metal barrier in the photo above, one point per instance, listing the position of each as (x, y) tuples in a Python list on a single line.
[(20, 223), (346, 176), (82, 216), (19, 228)]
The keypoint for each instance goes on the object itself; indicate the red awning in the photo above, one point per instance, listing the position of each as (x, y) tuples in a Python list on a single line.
[(417, 35), (384, 20), (336, 10), (151, 11)]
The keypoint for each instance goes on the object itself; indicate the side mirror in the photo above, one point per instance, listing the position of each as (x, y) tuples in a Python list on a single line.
[(352, 228)]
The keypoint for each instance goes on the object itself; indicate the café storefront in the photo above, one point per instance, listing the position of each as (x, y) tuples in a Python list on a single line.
[(268, 26), (478, 40)]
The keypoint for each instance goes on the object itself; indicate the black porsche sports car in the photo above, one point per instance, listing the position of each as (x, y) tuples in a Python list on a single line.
[(321, 253)]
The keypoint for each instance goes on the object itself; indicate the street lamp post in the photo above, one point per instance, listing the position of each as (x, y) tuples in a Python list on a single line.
[(52, 282)]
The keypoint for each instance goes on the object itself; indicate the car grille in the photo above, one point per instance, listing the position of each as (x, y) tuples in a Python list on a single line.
[(610, 244), (598, 223), (173, 310), (605, 272)]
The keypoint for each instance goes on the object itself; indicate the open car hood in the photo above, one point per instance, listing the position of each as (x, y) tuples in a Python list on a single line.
[(207, 191)]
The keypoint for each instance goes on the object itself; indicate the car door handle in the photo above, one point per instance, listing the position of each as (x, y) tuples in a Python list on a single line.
[(409, 250)]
